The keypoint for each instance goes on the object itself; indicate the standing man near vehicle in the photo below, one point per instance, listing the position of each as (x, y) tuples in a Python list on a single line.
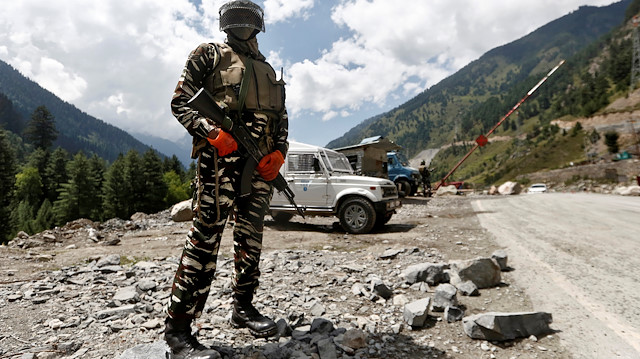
[(426, 179), (245, 86)]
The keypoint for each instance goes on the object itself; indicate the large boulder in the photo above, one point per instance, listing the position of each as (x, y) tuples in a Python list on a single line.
[(510, 188), (450, 190), (628, 191), (181, 212), (506, 326), (483, 272)]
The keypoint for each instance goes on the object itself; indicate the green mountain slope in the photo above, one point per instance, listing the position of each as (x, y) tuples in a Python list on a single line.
[(472, 100), (77, 130)]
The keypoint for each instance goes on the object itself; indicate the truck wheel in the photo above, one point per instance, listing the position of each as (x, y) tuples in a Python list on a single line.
[(405, 187), (281, 217), (357, 215)]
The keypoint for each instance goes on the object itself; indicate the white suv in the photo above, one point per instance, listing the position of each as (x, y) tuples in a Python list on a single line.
[(324, 185)]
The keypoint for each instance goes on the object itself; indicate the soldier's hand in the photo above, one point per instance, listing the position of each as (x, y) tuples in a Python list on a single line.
[(224, 142), (270, 164)]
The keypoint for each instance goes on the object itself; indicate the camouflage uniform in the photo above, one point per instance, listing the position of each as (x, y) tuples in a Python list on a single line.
[(217, 182)]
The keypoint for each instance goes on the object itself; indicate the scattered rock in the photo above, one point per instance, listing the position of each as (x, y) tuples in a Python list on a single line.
[(467, 288), (378, 287), (501, 258), (415, 313), (431, 273), (506, 326), (146, 351), (483, 272), (391, 253), (453, 314), (444, 297)]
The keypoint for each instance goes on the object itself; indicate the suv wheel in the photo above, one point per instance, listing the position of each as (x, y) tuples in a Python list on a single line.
[(357, 215), (383, 218)]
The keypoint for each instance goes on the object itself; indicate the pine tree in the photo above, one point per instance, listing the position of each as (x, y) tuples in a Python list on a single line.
[(134, 185), (155, 188), (77, 197), (97, 169), (39, 159), (45, 218), (114, 191), (41, 130), (56, 173), (7, 180), (173, 164)]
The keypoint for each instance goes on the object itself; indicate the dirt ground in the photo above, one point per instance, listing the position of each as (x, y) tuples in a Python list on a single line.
[(446, 228)]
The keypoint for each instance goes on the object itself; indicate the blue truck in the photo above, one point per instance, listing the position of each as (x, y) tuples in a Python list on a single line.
[(405, 177)]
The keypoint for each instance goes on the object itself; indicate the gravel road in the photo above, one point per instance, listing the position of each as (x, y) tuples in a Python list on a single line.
[(577, 256)]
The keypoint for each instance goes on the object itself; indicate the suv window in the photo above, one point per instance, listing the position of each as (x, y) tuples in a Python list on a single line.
[(337, 162), (302, 162)]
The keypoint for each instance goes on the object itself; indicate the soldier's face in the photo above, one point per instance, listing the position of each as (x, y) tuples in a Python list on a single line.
[(242, 33)]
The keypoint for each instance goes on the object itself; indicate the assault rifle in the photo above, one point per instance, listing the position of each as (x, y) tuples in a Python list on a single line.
[(204, 103)]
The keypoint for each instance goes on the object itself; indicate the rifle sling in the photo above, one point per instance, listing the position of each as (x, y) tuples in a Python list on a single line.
[(250, 165)]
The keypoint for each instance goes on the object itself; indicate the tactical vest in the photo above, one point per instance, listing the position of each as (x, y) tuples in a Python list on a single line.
[(265, 93)]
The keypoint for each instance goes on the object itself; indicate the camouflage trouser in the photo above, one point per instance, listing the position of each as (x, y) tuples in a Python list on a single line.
[(212, 203)]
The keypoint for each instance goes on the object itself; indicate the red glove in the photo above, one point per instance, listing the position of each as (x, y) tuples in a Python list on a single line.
[(270, 165), (224, 142)]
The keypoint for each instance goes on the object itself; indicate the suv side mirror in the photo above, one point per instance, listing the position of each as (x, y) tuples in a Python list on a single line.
[(316, 165)]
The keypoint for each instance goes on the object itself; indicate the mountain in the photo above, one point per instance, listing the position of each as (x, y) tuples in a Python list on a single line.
[(181, 148), (19, 97), (472, 100)]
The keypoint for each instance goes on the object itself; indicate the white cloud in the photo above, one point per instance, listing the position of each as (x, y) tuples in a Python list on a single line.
[(53, 75), (119, 60), (423, 42), (93, 53), (283, 10)]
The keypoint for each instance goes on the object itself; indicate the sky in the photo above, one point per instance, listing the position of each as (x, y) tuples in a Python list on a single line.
[(344, 61)]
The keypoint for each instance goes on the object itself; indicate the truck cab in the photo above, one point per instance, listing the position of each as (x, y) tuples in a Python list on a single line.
[(406, 178), (324, 185)]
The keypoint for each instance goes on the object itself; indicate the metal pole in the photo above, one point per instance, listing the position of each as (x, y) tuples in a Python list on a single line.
[(482, 139)]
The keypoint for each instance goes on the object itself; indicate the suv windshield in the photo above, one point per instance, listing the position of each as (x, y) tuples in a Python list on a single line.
[(336, 162)]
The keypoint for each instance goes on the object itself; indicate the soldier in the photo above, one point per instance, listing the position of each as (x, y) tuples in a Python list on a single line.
[(245, 85), (426, 179)]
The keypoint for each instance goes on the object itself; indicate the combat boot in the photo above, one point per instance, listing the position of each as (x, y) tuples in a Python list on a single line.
[(245, 315), (183, 344)]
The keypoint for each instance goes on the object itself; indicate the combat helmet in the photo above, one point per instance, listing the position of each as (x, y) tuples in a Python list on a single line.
[(241, 14)]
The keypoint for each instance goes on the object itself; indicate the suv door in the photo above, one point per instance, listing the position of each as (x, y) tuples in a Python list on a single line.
[(307, 179)]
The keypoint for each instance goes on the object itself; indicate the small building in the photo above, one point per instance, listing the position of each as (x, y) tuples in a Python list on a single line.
[(369, 157)]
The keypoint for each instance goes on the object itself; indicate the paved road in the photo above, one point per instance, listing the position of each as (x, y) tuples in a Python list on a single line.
[(578, 256)]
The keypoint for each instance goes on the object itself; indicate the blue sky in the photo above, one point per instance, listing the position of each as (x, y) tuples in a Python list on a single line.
[(344, 60)]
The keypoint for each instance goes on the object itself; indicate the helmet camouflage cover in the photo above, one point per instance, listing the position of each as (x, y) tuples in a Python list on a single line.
[(241, 13)]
